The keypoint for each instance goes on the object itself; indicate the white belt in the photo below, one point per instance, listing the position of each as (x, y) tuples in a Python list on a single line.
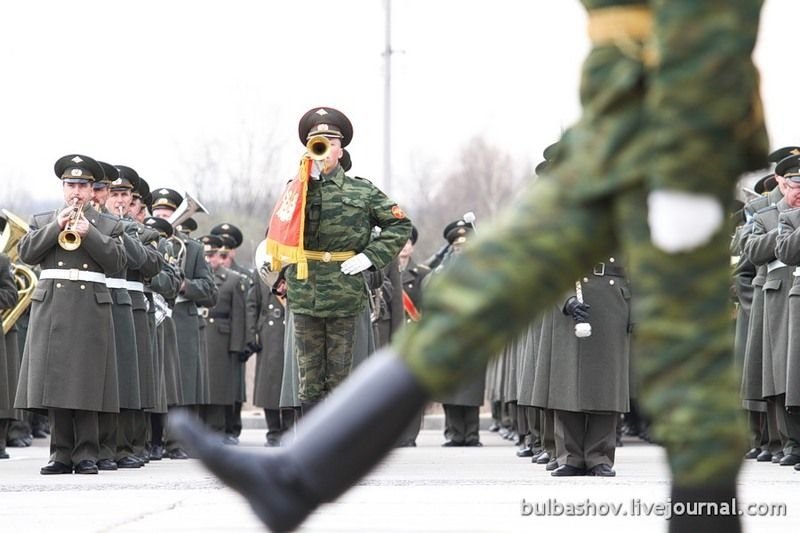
[(137, 286), (72, 274), (775, 265), (115, 283), (796, 272), (181, 298)]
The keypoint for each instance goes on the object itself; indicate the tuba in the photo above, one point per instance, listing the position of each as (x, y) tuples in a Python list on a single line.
[(189, 206), (24, 277), (69, 239)]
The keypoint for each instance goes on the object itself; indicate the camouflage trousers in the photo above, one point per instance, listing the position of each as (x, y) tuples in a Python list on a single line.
[(323, 348), (519, 266)]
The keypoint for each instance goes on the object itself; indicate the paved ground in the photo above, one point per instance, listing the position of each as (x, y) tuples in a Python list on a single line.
[(427, 488)]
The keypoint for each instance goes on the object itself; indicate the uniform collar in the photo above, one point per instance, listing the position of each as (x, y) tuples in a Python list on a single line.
[(337, 176)]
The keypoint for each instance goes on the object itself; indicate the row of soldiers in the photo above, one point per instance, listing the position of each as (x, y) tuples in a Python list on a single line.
[(766, 252), (130, 318)]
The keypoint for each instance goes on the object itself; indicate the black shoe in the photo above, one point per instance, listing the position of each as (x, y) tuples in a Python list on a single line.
[(18, 443), (494, 427), (285, 486), (525, 452), (452, 444), (54, 467), (790, 460), (106, 464), (407, 444), (797, 466), (130, 461), (551, 465), (764, 457), (602, 470), (230, 440), (273, 443), (543, 458), (776, 457), (39, 433), (87, 466), (177, 453), (567, 470), (753, 453), (473, 444), (144, 458), (4, 455), (156, 452)]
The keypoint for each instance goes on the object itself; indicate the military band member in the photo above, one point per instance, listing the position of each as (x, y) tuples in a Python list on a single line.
[(197, 289), (116, 429), (233, 414), (226, 335), (340, 214), (760, 250), (589, 375), (164, 288), (270, 363), (72, 375), (461, 408), (8, 364)]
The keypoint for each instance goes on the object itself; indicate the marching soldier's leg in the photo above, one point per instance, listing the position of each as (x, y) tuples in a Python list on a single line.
[(776, 440), (534, 423), (791, 452), (599, 444), (689, 384), (157, 421), (569, 431)]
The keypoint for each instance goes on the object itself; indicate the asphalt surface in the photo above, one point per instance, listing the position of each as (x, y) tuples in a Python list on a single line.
[(427, 488)]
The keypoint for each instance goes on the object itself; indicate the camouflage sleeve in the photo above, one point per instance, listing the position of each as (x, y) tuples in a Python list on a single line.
[(395, 229), (698, 46)]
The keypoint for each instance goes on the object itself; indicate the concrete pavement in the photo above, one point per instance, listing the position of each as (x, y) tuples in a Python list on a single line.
[(427, 488)]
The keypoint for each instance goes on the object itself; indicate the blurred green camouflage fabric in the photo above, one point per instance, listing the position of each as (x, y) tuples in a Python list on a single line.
[(678, 110)]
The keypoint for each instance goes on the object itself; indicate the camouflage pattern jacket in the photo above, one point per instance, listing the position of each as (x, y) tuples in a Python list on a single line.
[(340, 214)]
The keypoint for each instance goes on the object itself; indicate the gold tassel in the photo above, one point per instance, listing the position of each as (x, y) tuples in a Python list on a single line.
[(302, 270)]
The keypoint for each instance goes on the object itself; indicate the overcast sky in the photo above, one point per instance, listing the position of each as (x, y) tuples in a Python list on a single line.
[(149, 83)]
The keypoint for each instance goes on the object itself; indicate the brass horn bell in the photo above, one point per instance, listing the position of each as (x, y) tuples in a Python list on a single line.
[(318, 147)]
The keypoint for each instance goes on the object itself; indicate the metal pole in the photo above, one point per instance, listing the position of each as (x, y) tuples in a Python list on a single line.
[(387, 101)]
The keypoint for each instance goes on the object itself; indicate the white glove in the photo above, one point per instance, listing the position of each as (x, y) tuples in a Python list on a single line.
[(681, 221), (316, 169), (356, 264)]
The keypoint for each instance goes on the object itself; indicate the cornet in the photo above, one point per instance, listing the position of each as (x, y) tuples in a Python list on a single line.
[(318, 148), (69, 239)]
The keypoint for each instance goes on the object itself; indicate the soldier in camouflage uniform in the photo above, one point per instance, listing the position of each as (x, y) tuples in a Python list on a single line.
[(671, 118), (340, 214)]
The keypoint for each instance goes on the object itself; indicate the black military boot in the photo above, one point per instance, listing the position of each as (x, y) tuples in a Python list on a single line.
[(284, 485), (710, 510)]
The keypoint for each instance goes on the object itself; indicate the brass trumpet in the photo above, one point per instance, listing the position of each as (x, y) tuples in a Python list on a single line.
[(69, 239), (318, 148)]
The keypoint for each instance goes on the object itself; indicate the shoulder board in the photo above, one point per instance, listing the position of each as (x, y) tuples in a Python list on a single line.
[(768, 208), (362, 179), (39, 219), (422, 267), (110, 217)]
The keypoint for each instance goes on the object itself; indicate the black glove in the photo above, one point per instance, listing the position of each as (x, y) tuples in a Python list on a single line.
[(241, 356), (577, 310), (254, 347)]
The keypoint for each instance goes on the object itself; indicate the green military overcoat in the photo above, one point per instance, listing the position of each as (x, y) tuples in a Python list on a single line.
[(9, 366), (226, 336), (69, 360)]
